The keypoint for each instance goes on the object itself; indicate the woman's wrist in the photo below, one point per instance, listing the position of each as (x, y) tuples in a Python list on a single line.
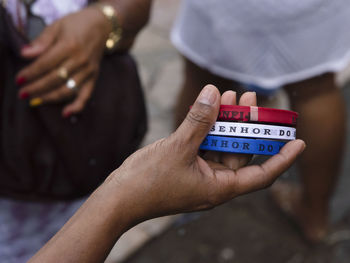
[(114, 201), (124, 201), (132, 16), (115, 33), (101, 25), (92, 232)]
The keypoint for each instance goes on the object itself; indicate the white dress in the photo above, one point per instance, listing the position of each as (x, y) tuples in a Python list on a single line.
[(268, 43)]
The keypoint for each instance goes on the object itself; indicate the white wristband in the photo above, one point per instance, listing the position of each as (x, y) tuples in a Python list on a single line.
[(252, 130)]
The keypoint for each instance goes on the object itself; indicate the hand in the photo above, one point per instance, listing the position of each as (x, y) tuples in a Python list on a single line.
[(163, 178), (169, 177), (231, 160), (75, 42)]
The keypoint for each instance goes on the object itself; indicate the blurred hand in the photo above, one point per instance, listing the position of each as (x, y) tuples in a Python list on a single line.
[(76, 42), (169, 177)]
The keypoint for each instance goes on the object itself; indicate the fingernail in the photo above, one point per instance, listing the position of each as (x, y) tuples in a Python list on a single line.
[(207, 95), (303, 146), (20, 81), (23, 95), (35, 102), (67, 114)]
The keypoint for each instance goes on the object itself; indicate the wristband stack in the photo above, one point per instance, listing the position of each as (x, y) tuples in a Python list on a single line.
[(251, 130)]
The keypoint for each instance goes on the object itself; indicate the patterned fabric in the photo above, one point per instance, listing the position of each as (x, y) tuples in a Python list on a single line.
[(26, 226), (267, 43)]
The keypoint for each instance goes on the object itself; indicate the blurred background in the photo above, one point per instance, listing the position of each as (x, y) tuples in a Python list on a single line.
[(247, 229)]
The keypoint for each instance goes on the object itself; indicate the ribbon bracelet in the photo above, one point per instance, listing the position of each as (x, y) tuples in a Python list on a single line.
[(253, 130), (241, 145)]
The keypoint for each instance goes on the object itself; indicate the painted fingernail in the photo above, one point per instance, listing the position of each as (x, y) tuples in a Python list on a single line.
[(35, 102), (23, 95), (208, 95), (20, 81), (67, 114)]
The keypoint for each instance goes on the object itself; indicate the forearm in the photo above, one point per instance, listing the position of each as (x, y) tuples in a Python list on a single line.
[(91, 233), (133, 15)]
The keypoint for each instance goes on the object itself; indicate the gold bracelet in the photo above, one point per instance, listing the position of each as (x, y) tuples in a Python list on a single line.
[(116, 34)]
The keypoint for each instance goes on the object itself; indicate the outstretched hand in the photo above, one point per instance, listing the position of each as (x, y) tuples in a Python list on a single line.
[(169, 177), (164, 178)]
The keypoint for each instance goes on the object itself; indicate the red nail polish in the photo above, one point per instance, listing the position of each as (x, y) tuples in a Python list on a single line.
[(67, 114), (20, 81), (23, 95)]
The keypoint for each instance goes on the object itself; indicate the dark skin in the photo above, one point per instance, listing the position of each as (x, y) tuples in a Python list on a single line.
[(77, 43), (323, 130), (166, 177)]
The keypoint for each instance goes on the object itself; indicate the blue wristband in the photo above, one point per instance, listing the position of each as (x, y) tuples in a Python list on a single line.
[(241, 145)]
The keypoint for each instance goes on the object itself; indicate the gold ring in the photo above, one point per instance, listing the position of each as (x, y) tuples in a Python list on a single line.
[(63, 73)]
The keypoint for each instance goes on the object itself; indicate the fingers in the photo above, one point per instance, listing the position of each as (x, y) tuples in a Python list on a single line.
[(45, 63), (251, 178), (47, 82), (63, 92), (51, 80), (227, 98), (200, 119), (248, 99), (235, 161), (41, 44), (79, 103)]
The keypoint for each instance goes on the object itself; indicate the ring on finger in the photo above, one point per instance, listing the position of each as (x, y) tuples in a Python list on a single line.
[(72, 85), (63, 73)]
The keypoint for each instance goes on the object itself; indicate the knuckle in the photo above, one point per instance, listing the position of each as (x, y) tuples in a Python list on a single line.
[(213, 200), (197, 117), (72, 45), (159, 145), (178, 144), (221, 190)]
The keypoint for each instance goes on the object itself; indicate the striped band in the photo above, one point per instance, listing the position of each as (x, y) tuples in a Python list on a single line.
[(241, 145), (257, 114)]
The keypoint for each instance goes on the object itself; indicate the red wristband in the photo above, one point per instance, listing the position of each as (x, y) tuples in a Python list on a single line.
[(257, 114)]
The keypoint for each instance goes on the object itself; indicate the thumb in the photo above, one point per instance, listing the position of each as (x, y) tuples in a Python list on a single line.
[(42, 43), (200, 118)]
